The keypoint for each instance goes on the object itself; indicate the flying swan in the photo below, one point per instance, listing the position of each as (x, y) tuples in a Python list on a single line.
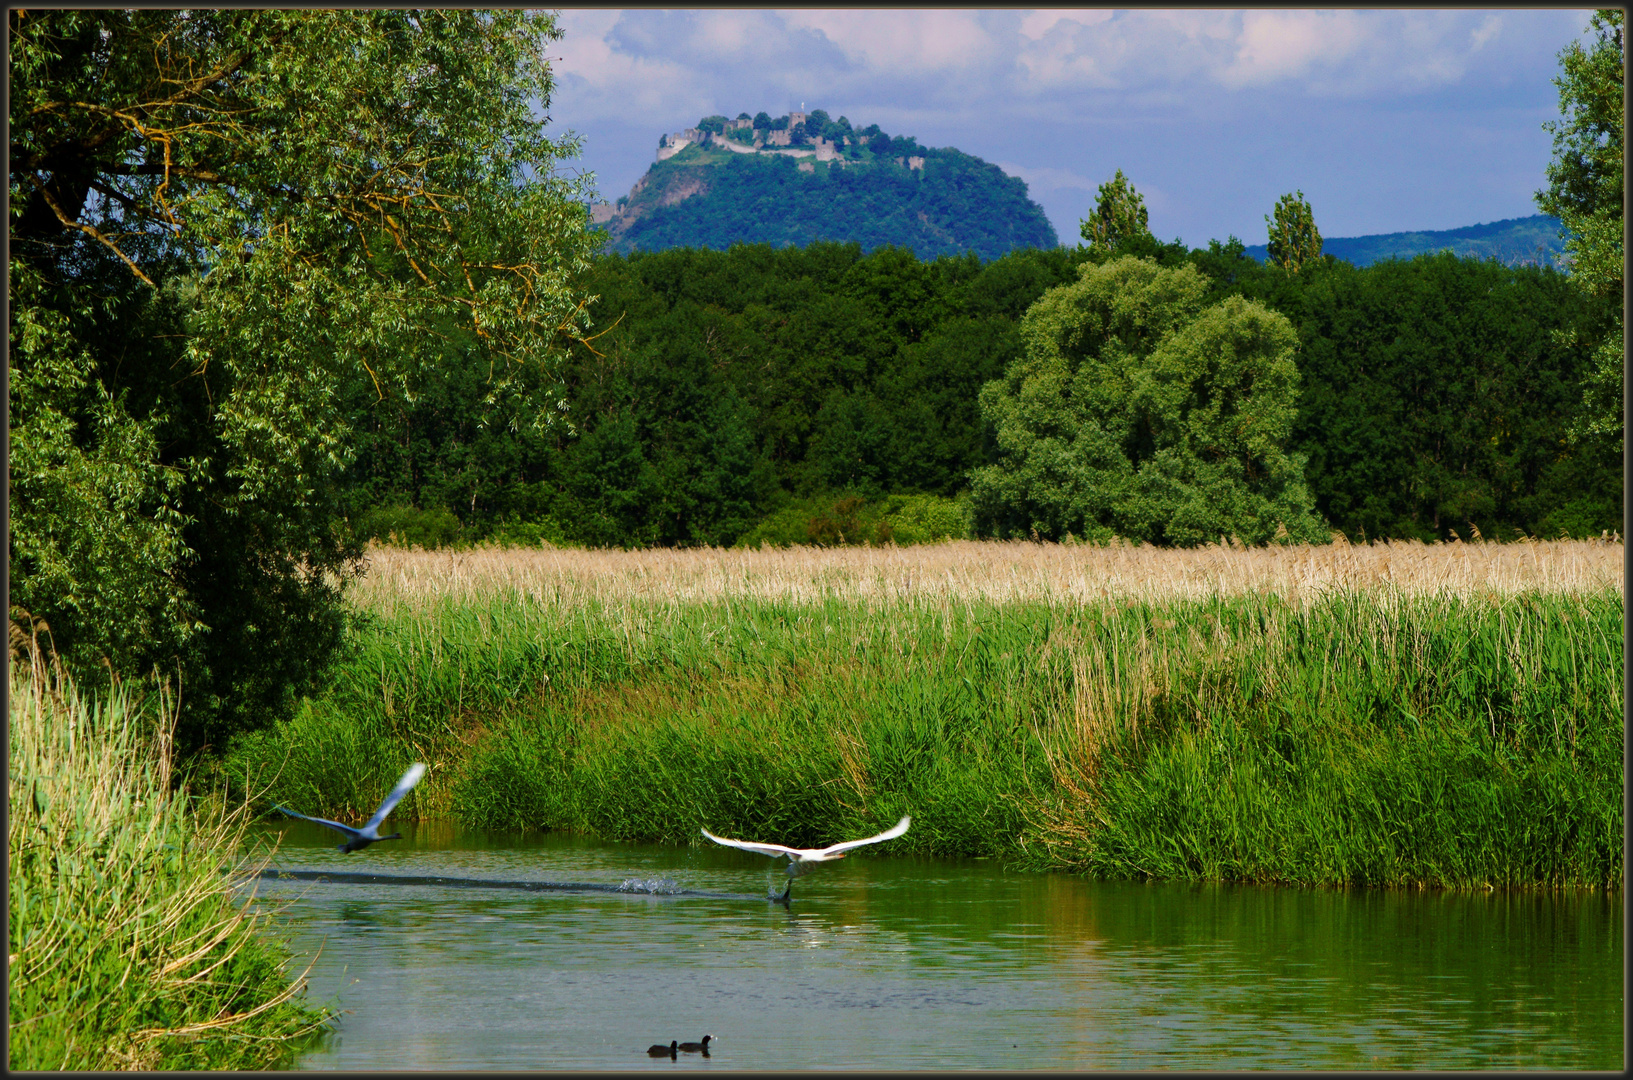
[(803, 860), (358, 839)]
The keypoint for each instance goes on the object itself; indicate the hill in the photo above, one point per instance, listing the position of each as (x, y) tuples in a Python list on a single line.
[(718, 191), (1530, 240)]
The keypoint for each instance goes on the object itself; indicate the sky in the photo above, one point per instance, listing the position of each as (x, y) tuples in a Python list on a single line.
[(1387, 121)]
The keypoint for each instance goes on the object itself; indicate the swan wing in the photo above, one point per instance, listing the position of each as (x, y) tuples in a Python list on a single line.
[(404, 786), (773, 850), (335, 825), (889, 834)]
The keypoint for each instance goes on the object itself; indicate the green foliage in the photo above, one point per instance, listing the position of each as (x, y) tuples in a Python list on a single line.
[(729, 384), (1294, 239), (1358, 739), (1585, 175), (79, 456), (517, 533), (725, 384), (408, 526), (829, 520), (1585, 191), (956, 203), (820, 520), (1119, 217), (1138, 412), (926, 519), (1434, 395), (130, 945), (222, 222)]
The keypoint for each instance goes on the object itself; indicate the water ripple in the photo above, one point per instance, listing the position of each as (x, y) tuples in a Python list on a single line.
[(650, 887)]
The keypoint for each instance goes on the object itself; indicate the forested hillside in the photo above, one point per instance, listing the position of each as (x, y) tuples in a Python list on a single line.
[(872, 189), (748, 394), (1513, 241)]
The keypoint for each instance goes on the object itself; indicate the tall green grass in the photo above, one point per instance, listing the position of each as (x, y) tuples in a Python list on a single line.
[(128, 945), (1365, 737), (1368, 740)]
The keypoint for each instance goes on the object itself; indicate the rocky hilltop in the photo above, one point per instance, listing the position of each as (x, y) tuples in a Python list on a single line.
[(802, 177)]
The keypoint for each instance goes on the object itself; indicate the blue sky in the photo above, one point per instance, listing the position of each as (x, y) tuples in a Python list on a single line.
[(1387, 120)]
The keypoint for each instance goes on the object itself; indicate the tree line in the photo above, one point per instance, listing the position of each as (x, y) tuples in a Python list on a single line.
[(1431, 395)]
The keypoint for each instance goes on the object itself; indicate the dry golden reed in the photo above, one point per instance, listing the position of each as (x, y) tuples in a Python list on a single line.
[(994, 571)]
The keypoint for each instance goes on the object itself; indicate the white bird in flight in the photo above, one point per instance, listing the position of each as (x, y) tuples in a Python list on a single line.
[(803, 860), (358, 839)]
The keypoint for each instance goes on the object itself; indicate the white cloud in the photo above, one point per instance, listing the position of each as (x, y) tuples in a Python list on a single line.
[(1352, 53), (1483, 33), (898, 41), (603, 80), (1277, 45), (1059, 65), (1038, 23), (729, 32), (637, 60)]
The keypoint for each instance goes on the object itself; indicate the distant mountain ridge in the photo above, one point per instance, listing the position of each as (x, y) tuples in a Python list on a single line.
[(1533, 240), (803, 177)]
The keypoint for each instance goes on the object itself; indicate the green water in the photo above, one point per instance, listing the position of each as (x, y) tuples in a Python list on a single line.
[(885, 962)]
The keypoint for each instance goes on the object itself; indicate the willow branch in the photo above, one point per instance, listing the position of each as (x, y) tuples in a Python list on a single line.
[(51, 201), (585, 341)]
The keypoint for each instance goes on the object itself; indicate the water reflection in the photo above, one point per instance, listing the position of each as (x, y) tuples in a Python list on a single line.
[(895, 962)]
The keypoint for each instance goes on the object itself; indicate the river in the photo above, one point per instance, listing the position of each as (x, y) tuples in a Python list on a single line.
[(544, 951)]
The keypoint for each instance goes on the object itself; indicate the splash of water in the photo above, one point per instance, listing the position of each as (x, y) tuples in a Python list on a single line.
[(655, 886)]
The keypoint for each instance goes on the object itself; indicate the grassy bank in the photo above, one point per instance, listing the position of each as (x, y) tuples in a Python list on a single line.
[(128, 946), (1392, 715)]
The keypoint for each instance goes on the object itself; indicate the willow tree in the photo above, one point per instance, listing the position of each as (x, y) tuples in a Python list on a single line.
[(218, 219), (1137, 411)]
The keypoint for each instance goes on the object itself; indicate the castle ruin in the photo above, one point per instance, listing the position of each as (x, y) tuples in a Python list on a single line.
[(825, 149), (777, 141)]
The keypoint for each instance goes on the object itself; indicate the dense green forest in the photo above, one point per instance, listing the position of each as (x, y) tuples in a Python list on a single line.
[(747, 394)]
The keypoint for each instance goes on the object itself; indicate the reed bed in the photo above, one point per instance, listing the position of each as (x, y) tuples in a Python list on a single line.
[(129, 944), (998, 572), (1387, 715)]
